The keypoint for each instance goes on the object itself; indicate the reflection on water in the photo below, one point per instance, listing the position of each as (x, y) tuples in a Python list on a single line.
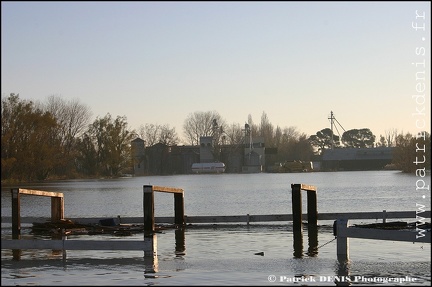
[(224, 255), (217, 256)]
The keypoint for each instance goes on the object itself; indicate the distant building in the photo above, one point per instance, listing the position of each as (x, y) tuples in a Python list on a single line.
[(356, 158), (138, 156), (182, 158), (254, 155), (206, 149)]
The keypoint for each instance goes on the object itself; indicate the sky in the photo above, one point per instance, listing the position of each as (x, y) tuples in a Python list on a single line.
[(159, 62)]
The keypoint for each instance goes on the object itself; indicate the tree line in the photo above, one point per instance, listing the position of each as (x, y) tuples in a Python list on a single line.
[(56, 139)]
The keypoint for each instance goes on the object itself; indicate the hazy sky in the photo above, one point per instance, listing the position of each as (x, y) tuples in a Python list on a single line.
[(158, 62)]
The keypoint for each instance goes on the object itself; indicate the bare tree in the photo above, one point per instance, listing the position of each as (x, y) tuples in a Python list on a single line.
[(200, 124), (149, 133), (234, 134), (154, 133), (72, 116), (390, 137), (168, 136), (266, 130)]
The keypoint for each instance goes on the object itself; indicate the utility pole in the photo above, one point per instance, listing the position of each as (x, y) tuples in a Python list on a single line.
[(331, 127)]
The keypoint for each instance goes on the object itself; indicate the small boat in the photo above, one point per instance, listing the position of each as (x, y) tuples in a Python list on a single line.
[(208, 167)]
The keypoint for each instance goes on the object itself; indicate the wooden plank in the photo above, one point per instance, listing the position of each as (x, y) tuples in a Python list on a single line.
[(31, 244), (271, 217), (40, 192), (308, 187), (240, 218), (144, 245), (167, 189), (372, 215), (382, 234), (216, 219)]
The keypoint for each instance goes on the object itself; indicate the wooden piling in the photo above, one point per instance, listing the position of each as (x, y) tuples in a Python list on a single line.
[(179, 209), (342, 249), (297, 220), (16, 221), (57, 208), (312, 214), (148, 207), (312, 211), (16, 217), (296, 207)]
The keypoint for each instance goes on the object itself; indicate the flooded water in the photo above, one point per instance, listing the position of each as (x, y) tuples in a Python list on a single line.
[(226, 255)]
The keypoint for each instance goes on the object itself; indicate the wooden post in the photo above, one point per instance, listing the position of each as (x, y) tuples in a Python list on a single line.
[(148, 204), (312, 214), (16, 217), (57, 208), (16, 221), (179, 209), (312, 211), (297, 220), (296, 207), (342, 240)]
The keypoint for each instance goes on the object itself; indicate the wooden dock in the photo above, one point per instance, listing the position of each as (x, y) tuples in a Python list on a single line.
[(180, 221)]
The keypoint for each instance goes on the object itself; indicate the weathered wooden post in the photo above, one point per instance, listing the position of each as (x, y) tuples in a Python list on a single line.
[(297, 207), (342, 250), (312, 211), (148, 205), (16, 218), (150, 255), (297, 220), (179, 209), (312, 221), (57, 208), (16, 221)]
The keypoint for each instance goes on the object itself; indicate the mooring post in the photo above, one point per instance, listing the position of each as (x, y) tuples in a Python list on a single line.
[(179, 209), (296, 207), (312, 213), (148, 206), (57, 208), (342, 250), (16, 221), (297, 220), (16, 217)]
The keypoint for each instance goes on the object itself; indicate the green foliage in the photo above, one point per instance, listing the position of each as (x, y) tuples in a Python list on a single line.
[(323, 140), (412, 154), (38, 144), (362, 138), (29, 141), (105, 148)]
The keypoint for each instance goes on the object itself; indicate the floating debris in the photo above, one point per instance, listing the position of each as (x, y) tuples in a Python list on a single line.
[(396, 225), (68, 227)]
